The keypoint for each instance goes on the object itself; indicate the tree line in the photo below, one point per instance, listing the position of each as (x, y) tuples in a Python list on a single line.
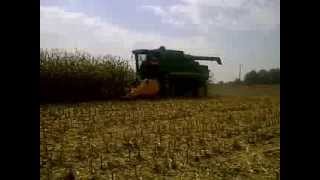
[(263, 76)]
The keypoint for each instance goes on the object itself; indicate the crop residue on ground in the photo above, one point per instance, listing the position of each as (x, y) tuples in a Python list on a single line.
[(219, 138)]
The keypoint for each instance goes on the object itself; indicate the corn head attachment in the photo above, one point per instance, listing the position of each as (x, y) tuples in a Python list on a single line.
[(145, 88)]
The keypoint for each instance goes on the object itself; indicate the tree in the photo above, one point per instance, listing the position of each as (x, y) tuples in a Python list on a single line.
[(263, 77), (275, 75), (251, 77)]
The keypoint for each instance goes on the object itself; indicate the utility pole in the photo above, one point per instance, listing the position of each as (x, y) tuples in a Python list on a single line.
[(240, 66)]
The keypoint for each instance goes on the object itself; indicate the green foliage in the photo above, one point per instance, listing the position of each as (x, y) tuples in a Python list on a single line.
[(263, 77), (78, 75)]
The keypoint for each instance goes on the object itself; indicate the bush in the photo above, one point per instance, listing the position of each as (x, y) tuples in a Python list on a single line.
[(80, 76)]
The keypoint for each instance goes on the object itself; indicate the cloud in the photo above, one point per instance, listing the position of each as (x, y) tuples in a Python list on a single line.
[(225, 14), (64, 29), (165, 16)]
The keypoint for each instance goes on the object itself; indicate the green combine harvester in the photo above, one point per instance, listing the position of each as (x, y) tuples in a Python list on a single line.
[(169, 73)]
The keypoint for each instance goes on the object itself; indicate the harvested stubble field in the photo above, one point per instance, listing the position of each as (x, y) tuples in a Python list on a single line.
[(211, 138)]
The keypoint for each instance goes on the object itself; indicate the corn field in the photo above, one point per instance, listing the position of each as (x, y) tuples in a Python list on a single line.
[(78, 75), (212, 138)]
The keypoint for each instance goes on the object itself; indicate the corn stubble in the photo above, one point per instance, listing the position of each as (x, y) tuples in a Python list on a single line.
[(214, 138)]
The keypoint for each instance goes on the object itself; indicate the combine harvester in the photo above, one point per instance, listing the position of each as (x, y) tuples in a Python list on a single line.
[(169, 73)]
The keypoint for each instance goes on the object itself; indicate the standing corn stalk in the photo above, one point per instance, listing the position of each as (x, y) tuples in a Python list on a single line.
[(78, 75)]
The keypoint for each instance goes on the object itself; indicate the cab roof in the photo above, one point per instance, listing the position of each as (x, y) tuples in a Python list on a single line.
[(161, 49)]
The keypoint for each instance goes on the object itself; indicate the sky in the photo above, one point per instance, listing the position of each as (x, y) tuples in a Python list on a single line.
[(239, 31)]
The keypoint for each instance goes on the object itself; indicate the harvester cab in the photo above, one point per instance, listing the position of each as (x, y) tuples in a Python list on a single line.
[(170, 73)]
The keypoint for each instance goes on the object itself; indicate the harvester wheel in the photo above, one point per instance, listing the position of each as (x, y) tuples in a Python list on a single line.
[(172, 90), (166, 88), (169, 88), (195, 92)]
